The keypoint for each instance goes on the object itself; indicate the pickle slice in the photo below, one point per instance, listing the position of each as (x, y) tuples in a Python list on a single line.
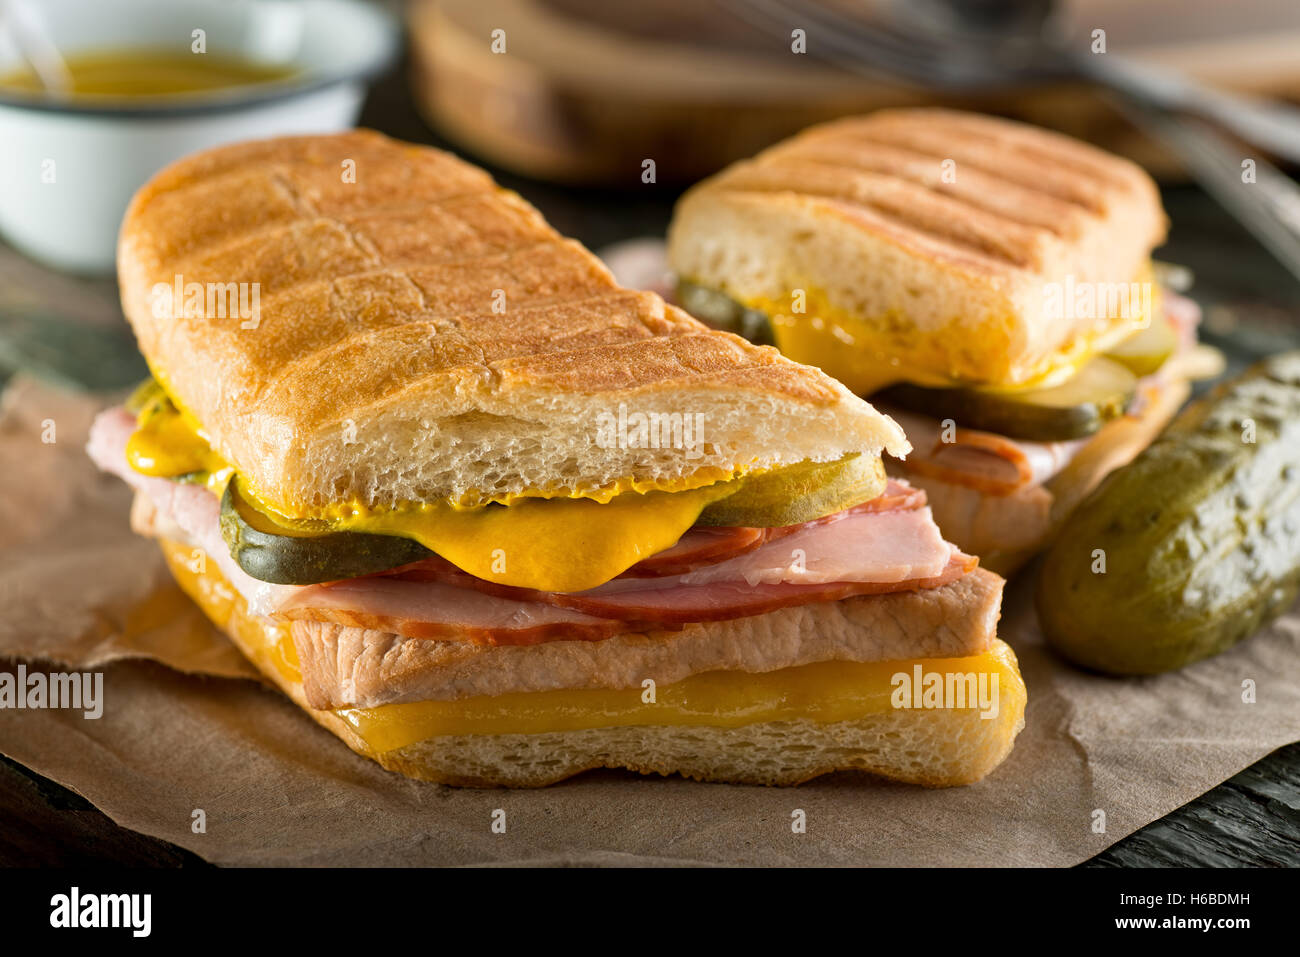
[(799, 493), (1147, 350), (720, 310), (271, 553), (1100, 391)]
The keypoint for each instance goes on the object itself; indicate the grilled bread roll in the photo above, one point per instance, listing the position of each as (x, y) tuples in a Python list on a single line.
[(423, 334), (935, 232)]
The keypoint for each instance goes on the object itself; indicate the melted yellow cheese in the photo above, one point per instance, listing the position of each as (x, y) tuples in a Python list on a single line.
[(825, 691), (550, 544), (561, 544), (870, 354)]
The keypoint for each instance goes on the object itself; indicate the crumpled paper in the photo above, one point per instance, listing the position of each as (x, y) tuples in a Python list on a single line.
[(192, 748)]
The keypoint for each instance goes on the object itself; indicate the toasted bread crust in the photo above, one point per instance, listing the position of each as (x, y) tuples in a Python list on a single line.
[(406, 304)]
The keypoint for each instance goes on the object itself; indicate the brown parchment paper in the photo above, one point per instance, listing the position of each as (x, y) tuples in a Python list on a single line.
[(184, 728)]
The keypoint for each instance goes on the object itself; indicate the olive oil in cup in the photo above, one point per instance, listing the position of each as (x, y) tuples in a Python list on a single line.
[(130, 73)]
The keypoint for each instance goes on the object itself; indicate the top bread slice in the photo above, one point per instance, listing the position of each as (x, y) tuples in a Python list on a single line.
[(423, 335), (940, 230)]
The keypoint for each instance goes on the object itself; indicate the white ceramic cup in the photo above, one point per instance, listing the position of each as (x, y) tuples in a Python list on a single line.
[(68, 169)]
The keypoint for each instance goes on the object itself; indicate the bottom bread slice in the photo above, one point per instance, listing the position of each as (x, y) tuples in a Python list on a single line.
[(939, 748), (932, 746)]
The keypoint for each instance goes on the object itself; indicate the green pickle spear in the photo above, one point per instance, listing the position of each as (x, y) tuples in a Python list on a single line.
[(1195, 544)]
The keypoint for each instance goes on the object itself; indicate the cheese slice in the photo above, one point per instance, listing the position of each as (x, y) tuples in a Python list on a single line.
[(829, 691)]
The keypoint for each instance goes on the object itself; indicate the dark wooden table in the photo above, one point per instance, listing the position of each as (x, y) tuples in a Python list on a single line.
[(1253, 308)]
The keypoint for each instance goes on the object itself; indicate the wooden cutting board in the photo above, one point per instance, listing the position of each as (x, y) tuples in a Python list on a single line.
[(586, 90)]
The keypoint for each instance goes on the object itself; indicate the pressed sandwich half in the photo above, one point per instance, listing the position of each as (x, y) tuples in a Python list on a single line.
[(989, 284), (494, 520)]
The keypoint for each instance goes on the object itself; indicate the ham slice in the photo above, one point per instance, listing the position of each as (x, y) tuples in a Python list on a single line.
[(430, 609), (671, 602), (984, 461), (860, 545), (888, 545), (423, 607), (699, 546), (1184, 315), (860, 552), (869, 544), (703, 546)]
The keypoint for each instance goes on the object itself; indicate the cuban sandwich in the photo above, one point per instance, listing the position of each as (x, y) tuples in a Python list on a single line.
[(493, 520)]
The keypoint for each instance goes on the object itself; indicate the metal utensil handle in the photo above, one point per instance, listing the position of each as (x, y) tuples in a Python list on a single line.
[(1272, 126), (1261, 197)]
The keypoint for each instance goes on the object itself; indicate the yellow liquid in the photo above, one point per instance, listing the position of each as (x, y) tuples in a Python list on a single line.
[(151, 72)]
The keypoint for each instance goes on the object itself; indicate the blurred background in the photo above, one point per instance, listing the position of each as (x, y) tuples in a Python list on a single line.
[(564, 100)]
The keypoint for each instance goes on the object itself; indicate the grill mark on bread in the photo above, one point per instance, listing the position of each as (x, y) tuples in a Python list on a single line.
[(977, 189), (223, 241), (399, 269), (689, 358), (308, 210), (904, 205), (362, 241), (468, 227), (454, 325), (293, 292), (919, 241), (941, 247), (183, 201), (415, 286), (305, 208), (1024, 171), (1055, 163), (374, 262), (326, 352), (1054, 149)]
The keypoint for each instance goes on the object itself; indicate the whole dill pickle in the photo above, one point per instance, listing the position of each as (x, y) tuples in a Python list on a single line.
[(1195, 544)]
